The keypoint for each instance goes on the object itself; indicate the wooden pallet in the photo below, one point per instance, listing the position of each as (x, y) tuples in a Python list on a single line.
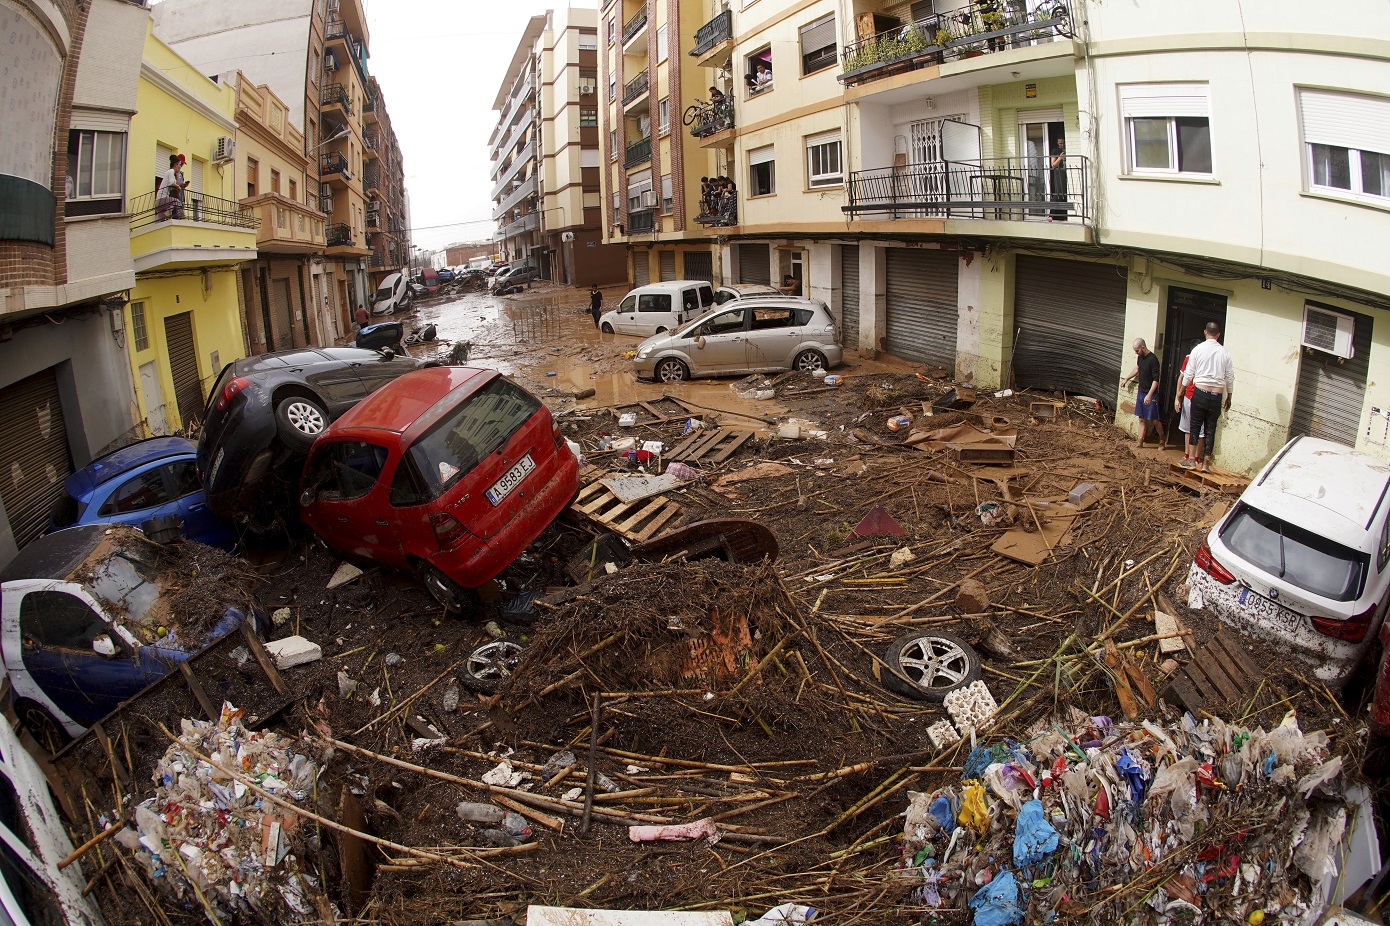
[(638, 521), (709, 446), (1216, 479), (1219, 675), (657, 415)]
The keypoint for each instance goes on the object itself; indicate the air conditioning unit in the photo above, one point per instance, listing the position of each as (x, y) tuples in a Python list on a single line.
[(586, 89), (648, 199), (325, 189), (1328, 331), (225, 149), (330, 63)]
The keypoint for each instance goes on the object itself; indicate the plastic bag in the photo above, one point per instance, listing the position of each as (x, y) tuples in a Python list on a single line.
[(1034, 839), (996, 904), (974, 812)]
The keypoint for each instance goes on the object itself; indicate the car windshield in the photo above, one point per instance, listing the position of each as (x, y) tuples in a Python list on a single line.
[(1302, 558), (481, 425), (127, 581), (383, 293)]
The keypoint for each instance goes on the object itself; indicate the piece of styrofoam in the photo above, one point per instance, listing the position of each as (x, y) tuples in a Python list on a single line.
[(293, 651)]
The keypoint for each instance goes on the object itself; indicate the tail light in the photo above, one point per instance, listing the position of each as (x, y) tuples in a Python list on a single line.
[(230, 390), (1351, 630), (1208, 564), (555, 433), (447, 530)]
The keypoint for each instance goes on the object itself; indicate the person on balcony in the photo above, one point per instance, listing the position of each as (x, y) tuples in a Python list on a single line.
[(170, 201), (764, 78), (1057, 180)]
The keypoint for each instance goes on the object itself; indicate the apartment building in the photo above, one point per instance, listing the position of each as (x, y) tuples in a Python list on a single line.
[(388, 225), (65, 265), (546, 153)]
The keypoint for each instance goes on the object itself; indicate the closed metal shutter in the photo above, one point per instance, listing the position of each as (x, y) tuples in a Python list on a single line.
[(161, 165), (1069, 320), (34, 457), (183, 363), (699, 266), (923, 306), (849, 295), (280, 305), (641, 269), (668, 265), (1331, 390), (754, 264)]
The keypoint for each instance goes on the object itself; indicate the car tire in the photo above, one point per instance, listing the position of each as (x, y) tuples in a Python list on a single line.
[(491, 664), (662, 330), (671, 370), (452, 596), (809, 361), (932, 665), (40, 724), (607, 328), (299, 421)]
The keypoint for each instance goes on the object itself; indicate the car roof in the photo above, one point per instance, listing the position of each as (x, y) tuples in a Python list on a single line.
[(752, 289), (55, 555), (665, 285), (406, 400), (1323, 486), (389, 279), (117, 462), (294, 357)]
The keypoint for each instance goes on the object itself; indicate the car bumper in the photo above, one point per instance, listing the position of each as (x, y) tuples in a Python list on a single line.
[(834, 355), (1332, 661), (645, 369)]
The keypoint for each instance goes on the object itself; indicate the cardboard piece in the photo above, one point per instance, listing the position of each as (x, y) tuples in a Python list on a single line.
[(756, 471), (344, 574), (636, 488), (569, 916), (1031, 547), (961, 435), (878, 523)]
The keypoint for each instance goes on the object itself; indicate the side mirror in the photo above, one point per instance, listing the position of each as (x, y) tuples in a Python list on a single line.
[(102, 645), (307, 497)]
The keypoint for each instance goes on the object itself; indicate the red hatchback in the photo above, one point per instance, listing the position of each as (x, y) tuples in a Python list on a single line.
[(449, 472)]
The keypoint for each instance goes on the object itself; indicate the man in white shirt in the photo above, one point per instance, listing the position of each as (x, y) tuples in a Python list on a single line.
[(1210, 371), (174, 185)]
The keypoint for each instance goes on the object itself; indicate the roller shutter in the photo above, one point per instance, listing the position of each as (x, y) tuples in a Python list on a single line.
[(923, 306), (699, 266), (183, 363), (754, 264), (668, 265), (849, 295), (641, 269), (284, 318), (1069, 319), (1331, 390), (34, 456)]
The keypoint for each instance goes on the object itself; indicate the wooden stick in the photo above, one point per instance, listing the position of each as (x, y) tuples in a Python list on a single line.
[(402, 705), (87, 846), (593, 766)]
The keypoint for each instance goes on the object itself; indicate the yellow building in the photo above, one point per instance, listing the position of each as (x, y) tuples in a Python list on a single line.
[(183, 322)]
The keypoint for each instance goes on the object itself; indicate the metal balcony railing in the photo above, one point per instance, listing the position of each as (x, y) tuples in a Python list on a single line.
[(713, 32), (339, 235), (333, 162), (641, 220), (979, 29), (718, 209), (369, 140), (1011, 189), (707, 119), (377, 261), (638, 153), (335, 30), (336, 95), (151, 208), (634, 25), (371, 177), (635, 87)]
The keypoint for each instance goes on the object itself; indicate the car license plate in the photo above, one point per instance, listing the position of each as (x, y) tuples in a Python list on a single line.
[(503, 487), (1258, 606)]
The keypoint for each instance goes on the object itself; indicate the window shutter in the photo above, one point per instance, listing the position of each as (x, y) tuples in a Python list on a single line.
[(760, 156), (1158, 100), (161, 161), (195, 176), (666, 187), (817, 35), (1345, 120), (922, 9)]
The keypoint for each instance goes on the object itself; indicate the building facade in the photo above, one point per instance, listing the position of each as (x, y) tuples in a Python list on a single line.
[(388, 226)]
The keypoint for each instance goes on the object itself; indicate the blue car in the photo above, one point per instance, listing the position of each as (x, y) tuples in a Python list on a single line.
[(445, 276), (145, 480)]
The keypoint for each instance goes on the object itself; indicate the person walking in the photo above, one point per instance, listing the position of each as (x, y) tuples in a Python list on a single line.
[(595, 303), (1211, 373), (1146, 399)]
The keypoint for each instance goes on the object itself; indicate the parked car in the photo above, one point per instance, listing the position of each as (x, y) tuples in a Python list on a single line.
[(658, 307), (515, 275), (447, 472), (148, 479), (429, 279), (446, 275), (1303, 558), (265, 411), (731, 291), (89, 618), (392, 295), (752, 335)]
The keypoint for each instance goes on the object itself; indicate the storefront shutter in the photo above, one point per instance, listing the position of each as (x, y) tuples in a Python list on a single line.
[(1069, 326), (641, 269), (668, 265), (849, 295), (922, 306), (699, 266), (34, 455), (754, 264), (1331, 391), (183, 364)]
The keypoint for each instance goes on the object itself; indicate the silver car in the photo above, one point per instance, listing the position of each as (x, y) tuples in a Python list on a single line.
[(757, 334)]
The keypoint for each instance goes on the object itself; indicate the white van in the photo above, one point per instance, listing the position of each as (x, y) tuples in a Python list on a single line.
[(393, 294), (658, 307)]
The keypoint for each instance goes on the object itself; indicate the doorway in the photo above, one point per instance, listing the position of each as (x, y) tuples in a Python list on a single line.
[(153, 398), (1039, 131), (1189, 310)]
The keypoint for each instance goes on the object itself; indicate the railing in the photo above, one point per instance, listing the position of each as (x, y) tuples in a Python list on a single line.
[(333, 162), (713, 32), (337, 95), (151, 208), (369, 140), (634, 25), (377, 261), (369, 104), (638, 153), (336, 29), (635, 87), (718, 209), (706, 119), (1012, 189), (641, 220), (371, 177), (526, 223), (979, 29), (339, 235)]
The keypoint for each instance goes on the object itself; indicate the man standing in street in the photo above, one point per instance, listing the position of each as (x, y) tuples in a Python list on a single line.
[(1146, 399), (595, 303), (1210, 371)]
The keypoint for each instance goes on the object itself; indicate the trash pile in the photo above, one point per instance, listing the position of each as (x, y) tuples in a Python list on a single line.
[(210, 836), (1134, 822)]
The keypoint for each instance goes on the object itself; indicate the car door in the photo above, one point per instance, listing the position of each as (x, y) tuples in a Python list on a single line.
[(773, 337), (334, 378), (720, 343), (378, 371), (199, 523), (654, 314), (139, 496), (344, 499), (625, 322)]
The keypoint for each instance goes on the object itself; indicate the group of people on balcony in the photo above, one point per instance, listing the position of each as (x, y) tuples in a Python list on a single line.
[(718, 201), (170, 190)]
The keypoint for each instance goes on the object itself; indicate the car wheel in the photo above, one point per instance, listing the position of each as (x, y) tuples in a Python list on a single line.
[(933, 664), (809, 361), (491, 664), (47, 732), (607, 328), (451, 595), (661, 330), (672, 370), (298, 421)]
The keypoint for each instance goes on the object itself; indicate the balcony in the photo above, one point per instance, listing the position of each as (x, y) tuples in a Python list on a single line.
[(635, 25), (641, 221), (523, 190), (373, 220), (711, 118), (200, 231), (529, 222), (336, 95), (369, 144), (287, 226), (337, 33), (526, 156), (377, 261), (1001, 189), (638, 153), (371, 180), (339, 235), (712, 37), (149, 208), (369, 109), (951, 36), (719, 211), (333, 168), (636, 87)]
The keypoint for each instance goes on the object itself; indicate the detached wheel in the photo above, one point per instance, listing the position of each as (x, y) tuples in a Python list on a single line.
[(934, 664), (451, 595), (491, 664), (298, 421), (671, 370), (809, 361), (606, 328), (46, 731)]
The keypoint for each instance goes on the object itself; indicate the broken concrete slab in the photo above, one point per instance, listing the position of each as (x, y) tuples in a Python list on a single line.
[(344, 574), (1164, 625), (293, 651)]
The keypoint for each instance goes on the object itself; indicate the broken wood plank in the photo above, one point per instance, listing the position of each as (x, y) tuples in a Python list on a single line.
[(267, 664), (1115, 661), (1239, 658), (202, 696)]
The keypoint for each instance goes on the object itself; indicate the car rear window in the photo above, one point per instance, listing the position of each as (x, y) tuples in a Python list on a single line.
[(1300, 557), (654, 302), (481, 425)]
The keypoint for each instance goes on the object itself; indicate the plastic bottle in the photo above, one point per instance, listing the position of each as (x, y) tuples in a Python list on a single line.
[(515, 824), (500, 839), (481, 813)]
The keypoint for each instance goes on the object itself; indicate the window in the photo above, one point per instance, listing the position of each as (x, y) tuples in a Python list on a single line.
[(639, 188), (481, 425), (922, 9), (818, 45), (274, 180), (761, 172), (137, 326), (59, 620), (664, 109), (294, 191), (723, 323), (663, 45), (654, 302), (612, 30), (588, 157), (823, 166), (143, 491), (613, 145), (253, 169), (345, 470), (588, 41), (588, 116), (1298, 556), (96, 166), (1167, 128), (757, 73), (1345, 153), (666, 200), (612, 87)]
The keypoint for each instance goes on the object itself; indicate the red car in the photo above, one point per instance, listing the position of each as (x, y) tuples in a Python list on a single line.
[(449, 472)]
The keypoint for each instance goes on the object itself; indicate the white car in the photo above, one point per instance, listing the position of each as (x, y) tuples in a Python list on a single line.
[(658, 307), (1303, 559)]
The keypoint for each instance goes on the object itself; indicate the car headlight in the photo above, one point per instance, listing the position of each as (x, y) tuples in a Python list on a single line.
[(643, 353)]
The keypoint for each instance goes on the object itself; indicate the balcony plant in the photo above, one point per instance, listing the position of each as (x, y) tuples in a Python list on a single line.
[(889, 47)]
